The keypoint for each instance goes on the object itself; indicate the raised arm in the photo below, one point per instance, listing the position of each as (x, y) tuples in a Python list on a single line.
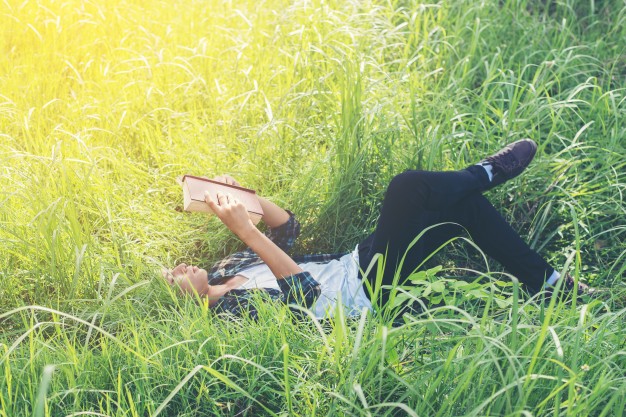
[(234, 215)]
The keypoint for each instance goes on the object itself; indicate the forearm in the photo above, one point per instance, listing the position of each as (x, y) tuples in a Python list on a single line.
[(276, 259), (234, 215), (273, 215)]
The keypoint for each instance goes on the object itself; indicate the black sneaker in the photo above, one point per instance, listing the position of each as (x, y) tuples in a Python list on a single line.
[(510, 161), (569, 286)]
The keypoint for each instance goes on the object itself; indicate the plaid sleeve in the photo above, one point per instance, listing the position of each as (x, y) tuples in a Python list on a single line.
[(300, 288), (240, 302), (284, 236)]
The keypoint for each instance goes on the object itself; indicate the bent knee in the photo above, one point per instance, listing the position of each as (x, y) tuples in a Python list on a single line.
[(408, 180)]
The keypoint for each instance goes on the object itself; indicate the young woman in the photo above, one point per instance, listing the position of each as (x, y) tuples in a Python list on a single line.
[(415, 200)]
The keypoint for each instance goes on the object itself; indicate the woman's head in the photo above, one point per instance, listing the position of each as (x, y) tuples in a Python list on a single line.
[(188, 278)]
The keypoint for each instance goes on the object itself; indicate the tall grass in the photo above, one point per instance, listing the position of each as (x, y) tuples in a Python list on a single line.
[(317, 104)]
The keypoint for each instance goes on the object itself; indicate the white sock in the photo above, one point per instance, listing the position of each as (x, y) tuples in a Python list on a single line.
[(553, 279), (488, 169)]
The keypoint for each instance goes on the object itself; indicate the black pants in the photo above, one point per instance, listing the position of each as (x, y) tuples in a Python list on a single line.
[(416, 200)]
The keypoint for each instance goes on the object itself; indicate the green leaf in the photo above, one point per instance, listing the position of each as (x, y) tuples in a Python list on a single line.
[(419, 276), (433, 271), (427, 291), (400, 299), (438, 286)]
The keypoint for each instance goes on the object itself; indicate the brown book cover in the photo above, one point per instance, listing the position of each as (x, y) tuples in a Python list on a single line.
[(193, 195)]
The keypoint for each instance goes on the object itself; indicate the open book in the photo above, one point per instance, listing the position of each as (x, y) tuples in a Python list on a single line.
[(193, 195)]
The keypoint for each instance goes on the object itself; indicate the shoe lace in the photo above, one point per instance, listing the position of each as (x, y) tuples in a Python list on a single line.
[(504, 161)]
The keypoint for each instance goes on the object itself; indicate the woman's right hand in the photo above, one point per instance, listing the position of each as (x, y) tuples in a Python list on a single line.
[(232, 213)]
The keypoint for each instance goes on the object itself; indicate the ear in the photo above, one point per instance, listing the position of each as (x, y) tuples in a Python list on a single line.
[(167, 275)]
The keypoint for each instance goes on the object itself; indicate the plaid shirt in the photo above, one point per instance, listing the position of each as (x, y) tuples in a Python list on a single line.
[(300, 288)]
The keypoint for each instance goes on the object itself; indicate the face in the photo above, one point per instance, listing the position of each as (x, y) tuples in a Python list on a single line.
[(188, 278)]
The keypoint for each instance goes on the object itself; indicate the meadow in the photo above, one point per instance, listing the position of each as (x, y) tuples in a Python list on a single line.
[(316, 104)]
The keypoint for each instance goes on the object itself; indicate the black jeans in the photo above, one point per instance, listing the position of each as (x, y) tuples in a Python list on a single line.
[(416, 200)]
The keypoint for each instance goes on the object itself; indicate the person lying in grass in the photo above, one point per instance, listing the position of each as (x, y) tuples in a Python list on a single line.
[(415, 200)]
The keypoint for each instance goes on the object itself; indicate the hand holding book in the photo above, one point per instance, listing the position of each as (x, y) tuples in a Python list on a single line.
[(194, 189), (232, 213)]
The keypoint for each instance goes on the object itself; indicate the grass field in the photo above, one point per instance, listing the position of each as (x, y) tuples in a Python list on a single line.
[(316, 104)]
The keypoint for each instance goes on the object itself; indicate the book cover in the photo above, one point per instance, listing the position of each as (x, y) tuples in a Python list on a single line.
[(193, 195)]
